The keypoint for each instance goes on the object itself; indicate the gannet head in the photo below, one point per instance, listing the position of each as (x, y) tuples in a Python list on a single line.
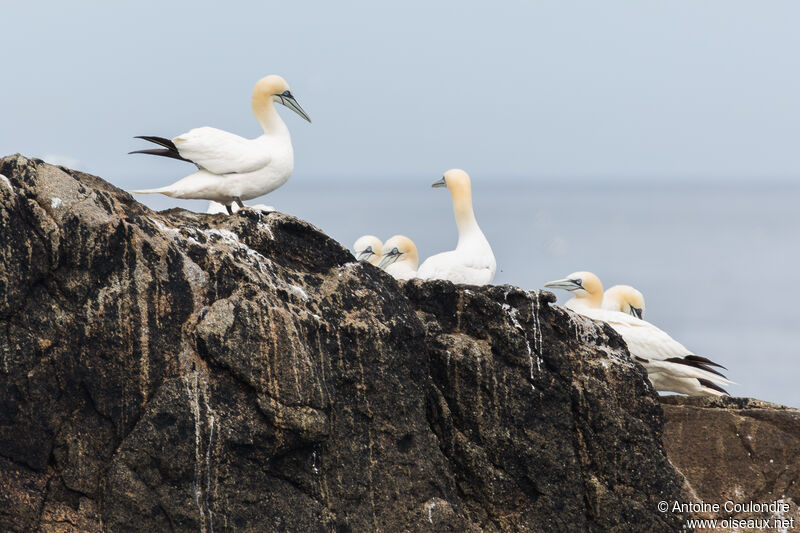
[(456, 180), (625, 299), (273, 88), (399, 248), (368, 248), (582, 285)]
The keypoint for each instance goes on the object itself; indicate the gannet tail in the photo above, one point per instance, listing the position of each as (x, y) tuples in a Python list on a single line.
[(169, 150)]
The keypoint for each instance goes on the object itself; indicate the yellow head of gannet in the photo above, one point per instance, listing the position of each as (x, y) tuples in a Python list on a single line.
[(625, 299), (399, 257), (458, 183), (269, 90), (368, 248), (586, 287)]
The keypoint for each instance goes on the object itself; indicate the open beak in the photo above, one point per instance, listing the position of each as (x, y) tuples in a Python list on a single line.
[(439, 184), (565, 284), (637, 312), (388, 259), (292, 104)]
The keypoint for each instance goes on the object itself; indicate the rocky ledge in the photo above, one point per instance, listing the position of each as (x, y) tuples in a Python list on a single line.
[(171, 371)]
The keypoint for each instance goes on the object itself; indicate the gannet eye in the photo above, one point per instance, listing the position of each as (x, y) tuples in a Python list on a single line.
[(287, 94), (395, 251), (578, 282), (368, 249)]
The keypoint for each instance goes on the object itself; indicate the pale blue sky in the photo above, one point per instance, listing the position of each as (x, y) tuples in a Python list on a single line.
[(531, 89)]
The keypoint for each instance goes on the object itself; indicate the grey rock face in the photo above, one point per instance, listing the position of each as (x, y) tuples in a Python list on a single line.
[(175, 371)]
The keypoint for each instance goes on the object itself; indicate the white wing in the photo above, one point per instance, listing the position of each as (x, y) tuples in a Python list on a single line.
[(222, 152), (646, 341), (643, 338)]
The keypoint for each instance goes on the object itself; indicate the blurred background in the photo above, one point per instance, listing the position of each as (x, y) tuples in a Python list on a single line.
[(654, 144)]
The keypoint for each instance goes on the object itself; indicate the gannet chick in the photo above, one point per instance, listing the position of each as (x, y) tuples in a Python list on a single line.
[(400, 258), (472, 262), (625, 299), (586, 287), (232, 168), (368, 248), (671, 367)]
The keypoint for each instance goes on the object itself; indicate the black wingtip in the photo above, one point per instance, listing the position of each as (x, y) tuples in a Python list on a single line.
[(711, 385), (704, 360), (694, 364)]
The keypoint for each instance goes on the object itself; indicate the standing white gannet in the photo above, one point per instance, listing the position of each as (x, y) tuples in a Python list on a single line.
[(232, 168), (586, 287), (670, 365), (400, 258), (368, 248), (472, 262), (625, 299)]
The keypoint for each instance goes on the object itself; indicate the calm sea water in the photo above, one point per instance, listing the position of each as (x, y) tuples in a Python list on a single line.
[(716, 261)]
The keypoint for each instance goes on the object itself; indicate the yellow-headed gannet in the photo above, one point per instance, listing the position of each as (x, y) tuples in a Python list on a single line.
[(232, 168), (400, 258), (625, 299), (586, 287), (670, 365), (368, 248), (472, 262)]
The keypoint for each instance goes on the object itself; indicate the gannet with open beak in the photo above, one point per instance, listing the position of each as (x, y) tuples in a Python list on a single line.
[(472, 262), (368, 248), (625, 299), (399, 258), (670, 366), (232, 168)]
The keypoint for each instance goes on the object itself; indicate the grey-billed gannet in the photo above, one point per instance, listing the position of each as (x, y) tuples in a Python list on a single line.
[(472, 262), (670, 366), (232, 168), (368, 248), (586, 287), (625, 299), (400, 258)]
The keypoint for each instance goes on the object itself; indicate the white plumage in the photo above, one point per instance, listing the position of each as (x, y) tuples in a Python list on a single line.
[(231, 168), (472, 262), (670, 365), (368, 248), (399, 258)]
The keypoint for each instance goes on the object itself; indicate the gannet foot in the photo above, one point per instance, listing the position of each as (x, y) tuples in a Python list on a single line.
[(230, 209), (239, 202)]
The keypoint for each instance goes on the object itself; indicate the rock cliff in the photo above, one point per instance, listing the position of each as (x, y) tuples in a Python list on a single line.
[(174, 371)]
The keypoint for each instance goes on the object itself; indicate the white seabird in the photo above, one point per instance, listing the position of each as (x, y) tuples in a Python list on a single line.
[(625, 299), (670, 366), (472, 262), (586, 287), (400, 258), (232, 168), (368, 248)]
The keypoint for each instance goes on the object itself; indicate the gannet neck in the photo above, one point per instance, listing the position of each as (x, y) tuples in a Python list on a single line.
[(267, 115), (464, 214)]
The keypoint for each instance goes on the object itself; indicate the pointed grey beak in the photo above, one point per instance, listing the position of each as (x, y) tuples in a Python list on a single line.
[(365, 254), (388, 259), (292, 104), (637, 312), (439, 184), (565, 284)]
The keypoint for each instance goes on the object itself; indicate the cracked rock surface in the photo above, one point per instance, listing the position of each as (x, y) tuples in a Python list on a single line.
[(174, 371)]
